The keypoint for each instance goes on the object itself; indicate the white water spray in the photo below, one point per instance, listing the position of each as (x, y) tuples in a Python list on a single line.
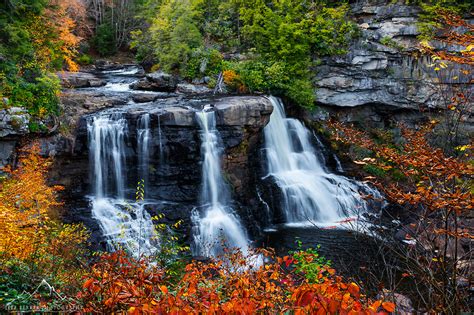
[(310, 194), (125, 225), (219, 227)]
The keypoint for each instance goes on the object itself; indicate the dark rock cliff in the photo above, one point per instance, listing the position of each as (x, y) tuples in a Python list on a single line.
[(175, 157)]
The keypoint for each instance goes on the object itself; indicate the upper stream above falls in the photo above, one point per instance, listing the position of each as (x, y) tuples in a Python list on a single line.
[(234, 168)]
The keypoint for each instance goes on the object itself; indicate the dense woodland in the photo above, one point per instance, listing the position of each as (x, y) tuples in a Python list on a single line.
[(247, 47)]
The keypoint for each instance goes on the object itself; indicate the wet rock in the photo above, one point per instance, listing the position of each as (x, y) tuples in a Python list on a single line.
[(157, 81), (144, 97), (187, 88), (14, 121), (79, 80)]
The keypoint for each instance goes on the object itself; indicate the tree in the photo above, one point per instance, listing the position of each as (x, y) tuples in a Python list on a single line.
[(436, 190), (450, 73), (174, 34)]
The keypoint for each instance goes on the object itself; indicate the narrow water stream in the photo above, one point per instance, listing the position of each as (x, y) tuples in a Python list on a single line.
[(217, 227)]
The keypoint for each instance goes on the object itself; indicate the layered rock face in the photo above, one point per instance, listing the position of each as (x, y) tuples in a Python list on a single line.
[(174, 176), (380, 68), (380, 81)]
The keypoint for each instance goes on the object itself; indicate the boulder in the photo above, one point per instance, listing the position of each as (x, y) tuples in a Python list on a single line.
[(157, 81), (144, 97), (187, 88), (14, 121), (79, 80)]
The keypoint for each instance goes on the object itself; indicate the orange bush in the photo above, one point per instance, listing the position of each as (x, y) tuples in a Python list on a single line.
[(234, 81), (225, 286)]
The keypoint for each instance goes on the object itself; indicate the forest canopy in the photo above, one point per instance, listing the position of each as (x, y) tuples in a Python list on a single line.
[(266, 46)]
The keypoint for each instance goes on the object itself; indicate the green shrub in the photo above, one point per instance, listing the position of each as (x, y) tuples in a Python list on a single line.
[(85, 60), (374, 170), (104, 40), (309, 263), (203, 62)]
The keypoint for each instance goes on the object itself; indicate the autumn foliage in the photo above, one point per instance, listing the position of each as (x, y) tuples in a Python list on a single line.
[(234, 285), (30, 237), (436, 190), (26, 201), (451, 35)]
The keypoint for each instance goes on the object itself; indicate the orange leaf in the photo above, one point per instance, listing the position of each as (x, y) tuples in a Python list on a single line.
[(389, 306), (88, 283), (164, 289), (354, 289)]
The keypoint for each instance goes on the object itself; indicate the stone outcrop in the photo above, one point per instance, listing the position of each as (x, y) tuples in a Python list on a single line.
[(14, 122), (157, 81), (77, 104), (79, 80), (187, 88), (379, 68)]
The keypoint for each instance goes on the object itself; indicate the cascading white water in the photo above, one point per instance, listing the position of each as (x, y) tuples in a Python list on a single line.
[(126, 225), (107, 152), (310, 193), (143, 147), (218, 227)]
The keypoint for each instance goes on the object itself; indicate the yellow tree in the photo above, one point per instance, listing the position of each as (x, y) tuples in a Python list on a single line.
[(26, 200)]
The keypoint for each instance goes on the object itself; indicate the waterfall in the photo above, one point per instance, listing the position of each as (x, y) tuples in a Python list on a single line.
[(143, 147), (310, 194), (219, 227), (106, 146), (126, 225)]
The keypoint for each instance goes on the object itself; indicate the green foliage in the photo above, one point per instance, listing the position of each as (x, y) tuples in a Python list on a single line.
[(204, 62), (309, 263), (388, 41), (29, 53), (279, 40), (374, 170), (174, 35), (85, 60), (13, 281), (104, 40)]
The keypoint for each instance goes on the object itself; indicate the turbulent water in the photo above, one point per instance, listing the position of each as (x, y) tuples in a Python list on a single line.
[(310, 194), (125, 224), (218, 226)]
